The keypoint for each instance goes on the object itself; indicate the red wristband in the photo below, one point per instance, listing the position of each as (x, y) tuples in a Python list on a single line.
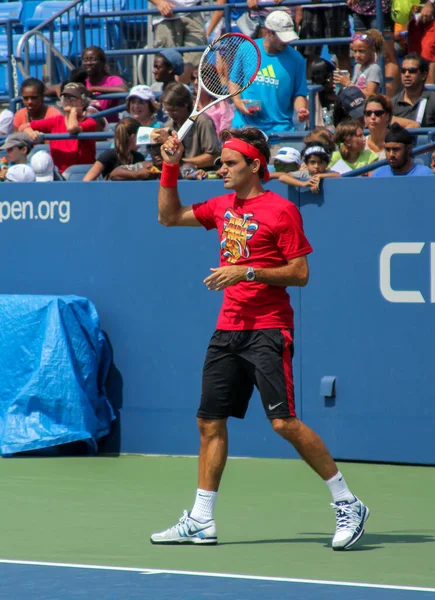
[(169, 175)]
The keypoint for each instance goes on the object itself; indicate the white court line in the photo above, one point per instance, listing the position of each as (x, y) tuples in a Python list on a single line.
[(145, 571)]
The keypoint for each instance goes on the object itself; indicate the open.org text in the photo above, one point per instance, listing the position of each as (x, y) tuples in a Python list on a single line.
[(43, 210)]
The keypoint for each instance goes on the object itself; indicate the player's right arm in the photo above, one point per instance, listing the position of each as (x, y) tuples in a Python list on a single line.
[(171, 212)]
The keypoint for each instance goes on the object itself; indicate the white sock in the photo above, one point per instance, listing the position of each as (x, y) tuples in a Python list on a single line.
[(338, 488), (203, 508)]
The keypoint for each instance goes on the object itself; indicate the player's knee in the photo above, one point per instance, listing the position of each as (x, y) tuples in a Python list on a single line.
[(210, 428), (284, 427)]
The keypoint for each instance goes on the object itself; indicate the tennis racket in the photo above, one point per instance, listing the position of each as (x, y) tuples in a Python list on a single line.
[(227, 67)]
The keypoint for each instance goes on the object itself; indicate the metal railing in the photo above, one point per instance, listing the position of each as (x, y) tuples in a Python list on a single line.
[(38, 33)]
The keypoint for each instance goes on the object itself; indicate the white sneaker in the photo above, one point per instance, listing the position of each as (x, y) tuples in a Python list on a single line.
[(187, 531), (351, 517)]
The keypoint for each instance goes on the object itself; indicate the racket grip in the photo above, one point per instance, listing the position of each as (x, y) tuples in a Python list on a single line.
[(184, 129)]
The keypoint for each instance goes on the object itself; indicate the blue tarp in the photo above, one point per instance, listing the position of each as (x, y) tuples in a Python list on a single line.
[(54, 361)]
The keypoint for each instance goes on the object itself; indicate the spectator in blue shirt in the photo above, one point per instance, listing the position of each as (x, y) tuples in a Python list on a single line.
[(398, 146), (280, 85)]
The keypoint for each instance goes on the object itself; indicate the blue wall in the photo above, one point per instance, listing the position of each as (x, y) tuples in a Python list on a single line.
[(146, 282)]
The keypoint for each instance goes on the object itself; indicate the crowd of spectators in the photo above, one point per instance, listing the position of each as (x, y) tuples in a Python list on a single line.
[(351, 99)]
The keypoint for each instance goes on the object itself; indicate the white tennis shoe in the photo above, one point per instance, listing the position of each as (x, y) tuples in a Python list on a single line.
[(187, 531), (351, 517)]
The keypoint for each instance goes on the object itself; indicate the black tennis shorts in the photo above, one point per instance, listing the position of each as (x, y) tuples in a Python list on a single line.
[(236, 361)]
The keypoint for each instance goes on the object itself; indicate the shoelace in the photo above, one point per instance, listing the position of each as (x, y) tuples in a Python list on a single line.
[(182, 526), (347, 516)]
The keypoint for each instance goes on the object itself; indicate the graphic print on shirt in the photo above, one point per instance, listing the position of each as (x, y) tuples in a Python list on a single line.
[(267, 75), (238, 230)]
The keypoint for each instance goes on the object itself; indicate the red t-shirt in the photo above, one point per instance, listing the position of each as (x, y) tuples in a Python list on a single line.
[(66, 153), (263, 232)]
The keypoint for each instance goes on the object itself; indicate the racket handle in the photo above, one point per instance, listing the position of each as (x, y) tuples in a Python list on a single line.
[(184, 130)]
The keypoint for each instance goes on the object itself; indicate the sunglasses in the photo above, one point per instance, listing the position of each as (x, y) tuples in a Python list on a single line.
[(411, 70), (377, 113), (362, 37)]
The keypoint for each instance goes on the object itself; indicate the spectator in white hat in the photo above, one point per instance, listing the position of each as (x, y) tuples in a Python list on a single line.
[(287, 160), (43, 166), (280, 87), (142, 106), (20, 174)]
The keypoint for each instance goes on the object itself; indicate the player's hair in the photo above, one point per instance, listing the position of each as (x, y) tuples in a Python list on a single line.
[(322, 136), (34, 83), (345, 130), (252, 136), (123, 131), (177, 94)]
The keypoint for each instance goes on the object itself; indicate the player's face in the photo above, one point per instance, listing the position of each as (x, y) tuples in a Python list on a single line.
[(234, 170)]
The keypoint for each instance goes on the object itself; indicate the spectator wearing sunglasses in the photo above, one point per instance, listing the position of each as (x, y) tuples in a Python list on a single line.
[(414, 102), (367, 75), (378, 112)]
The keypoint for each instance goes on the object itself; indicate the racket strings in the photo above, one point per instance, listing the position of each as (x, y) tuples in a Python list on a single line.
[(229, 66)]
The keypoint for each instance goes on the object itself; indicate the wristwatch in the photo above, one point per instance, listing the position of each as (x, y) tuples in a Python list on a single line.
[(250, 274)]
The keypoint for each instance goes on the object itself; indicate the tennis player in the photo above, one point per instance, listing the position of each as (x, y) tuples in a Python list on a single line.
[(263, 251)]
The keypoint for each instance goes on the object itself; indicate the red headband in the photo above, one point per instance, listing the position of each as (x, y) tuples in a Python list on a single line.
[(247, 150)]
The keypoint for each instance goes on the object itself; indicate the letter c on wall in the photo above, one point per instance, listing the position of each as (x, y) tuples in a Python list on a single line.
[(385, 272)]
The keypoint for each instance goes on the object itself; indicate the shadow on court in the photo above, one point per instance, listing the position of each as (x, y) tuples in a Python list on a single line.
[(370, 541)]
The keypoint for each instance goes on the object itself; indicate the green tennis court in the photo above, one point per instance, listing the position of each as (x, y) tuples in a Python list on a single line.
[(273, 517)]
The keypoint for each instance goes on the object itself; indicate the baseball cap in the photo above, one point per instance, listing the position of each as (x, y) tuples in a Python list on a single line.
[(281, 23), (289, 155), (77, 90), (43, 166), (144, 92), (352, 100), (20, 174), (175, 58), (17, 139)]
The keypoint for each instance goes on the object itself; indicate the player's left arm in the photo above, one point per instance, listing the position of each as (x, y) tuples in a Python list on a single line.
[(295, 273)]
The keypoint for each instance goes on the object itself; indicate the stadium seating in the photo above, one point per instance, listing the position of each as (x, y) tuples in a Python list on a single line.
[(103, 146), (46, 10), (76, 172), (11, 11)]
